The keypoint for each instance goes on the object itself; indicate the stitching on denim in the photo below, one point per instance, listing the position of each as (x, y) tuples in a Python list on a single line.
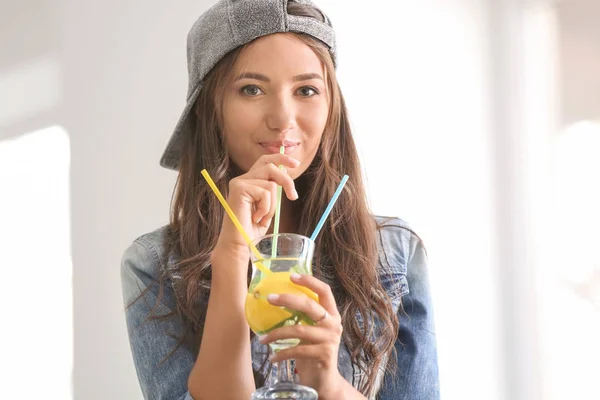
[(150, 248)]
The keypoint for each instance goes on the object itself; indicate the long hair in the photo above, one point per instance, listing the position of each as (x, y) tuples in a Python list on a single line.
[(346, 249)]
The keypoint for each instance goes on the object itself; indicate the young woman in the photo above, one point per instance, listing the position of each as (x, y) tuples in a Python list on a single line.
[(262, 75)]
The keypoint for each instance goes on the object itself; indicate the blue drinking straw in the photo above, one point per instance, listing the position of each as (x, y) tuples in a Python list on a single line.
[(329, 207)]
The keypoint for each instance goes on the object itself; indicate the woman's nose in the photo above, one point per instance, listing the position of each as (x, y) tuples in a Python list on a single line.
[(281, 115)]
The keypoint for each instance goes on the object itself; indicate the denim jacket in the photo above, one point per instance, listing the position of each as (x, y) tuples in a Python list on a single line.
[(403, 274)]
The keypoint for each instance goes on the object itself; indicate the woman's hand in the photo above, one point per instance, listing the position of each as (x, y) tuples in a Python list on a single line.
[(317, 354), (253, 198)]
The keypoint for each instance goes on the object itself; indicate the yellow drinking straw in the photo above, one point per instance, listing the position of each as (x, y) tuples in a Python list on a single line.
[(235, 221)]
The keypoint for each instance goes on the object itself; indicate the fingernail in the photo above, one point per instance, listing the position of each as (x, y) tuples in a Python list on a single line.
[(296, 194), (261, 338), (271, 357), (273, 297), (295, 276)]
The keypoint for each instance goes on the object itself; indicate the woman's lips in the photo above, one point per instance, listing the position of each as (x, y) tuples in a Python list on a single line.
[(273, 147)]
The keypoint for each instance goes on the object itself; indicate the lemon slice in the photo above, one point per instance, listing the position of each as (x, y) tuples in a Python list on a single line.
[(262, 316)]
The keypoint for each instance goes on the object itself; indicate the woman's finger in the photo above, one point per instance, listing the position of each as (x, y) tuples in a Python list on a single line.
[(271, 172), (271, 187), (313, 352), (305, 333), (322, 289), (260, 197), (277, 159), (301, 303)]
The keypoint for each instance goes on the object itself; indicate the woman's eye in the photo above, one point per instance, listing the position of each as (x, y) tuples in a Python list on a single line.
[(251, 90), (307, 91)]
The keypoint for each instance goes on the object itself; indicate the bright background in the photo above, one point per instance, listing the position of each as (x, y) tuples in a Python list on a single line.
[(477, 121)]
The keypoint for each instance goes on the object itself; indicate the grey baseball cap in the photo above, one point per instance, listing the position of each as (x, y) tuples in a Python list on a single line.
[(225, 26)]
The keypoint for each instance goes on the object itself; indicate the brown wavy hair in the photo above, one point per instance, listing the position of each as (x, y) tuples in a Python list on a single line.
[(346, 250)]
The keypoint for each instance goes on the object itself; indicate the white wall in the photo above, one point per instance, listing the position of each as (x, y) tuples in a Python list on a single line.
[(579, 59), (571, 278), (121, 85)]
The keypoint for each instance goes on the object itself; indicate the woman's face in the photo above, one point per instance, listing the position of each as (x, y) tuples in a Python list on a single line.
[(277, 96)]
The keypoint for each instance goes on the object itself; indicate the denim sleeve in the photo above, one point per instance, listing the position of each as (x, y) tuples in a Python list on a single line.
[(151, 341), (417, 375)]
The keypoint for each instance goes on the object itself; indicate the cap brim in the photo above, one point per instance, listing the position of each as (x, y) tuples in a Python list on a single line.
[(172, 154)]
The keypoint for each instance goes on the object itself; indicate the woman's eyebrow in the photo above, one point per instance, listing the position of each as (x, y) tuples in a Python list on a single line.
[(307, 77), (252, 75), (261, 77)]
